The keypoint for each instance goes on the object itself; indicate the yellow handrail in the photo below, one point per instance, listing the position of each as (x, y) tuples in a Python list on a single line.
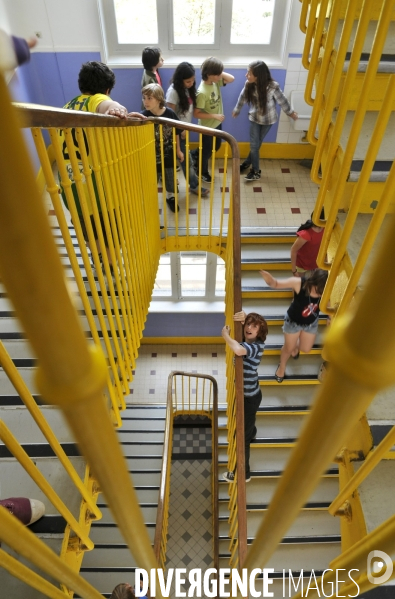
[(315, 53), (309, 33), (321, 78), (24, 393), (358, 191), (330, 101), (69, 375), (359, 116), (78, 388), (356, 558), (364, 470), (303, 15), (27, 463), (361, 364), (17, 536), (26, 575)]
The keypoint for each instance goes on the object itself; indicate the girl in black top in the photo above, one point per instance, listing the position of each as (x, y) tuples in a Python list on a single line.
[(301, 321)]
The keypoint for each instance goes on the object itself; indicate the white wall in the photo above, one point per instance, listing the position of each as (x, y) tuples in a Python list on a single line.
[(64, 25), (73, 25)]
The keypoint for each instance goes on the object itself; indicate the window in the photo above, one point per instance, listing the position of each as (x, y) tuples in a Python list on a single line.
[(233, 30), (190, 276)]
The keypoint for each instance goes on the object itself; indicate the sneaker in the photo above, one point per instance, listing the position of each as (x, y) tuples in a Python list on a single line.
[(253, 175), (25, 509), (171, 202), (204, 192), (206, 177), (178, 168), (230, 477), (244, 166)]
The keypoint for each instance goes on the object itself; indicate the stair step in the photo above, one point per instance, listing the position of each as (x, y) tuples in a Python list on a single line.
[(306, 556), (15, 482), (261, 490), (103, 534)]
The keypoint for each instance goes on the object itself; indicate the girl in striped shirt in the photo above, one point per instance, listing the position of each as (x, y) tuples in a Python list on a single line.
[(255, 332)]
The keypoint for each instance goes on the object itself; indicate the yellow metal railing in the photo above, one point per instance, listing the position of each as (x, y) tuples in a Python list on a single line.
[(110, 162), (361, 360), (187, 394), (11, 371), (361, 364)]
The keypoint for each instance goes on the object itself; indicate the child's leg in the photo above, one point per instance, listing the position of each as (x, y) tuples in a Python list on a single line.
[(257, 135), (169, 181), (193, 181), (207, 148), (251, 405)]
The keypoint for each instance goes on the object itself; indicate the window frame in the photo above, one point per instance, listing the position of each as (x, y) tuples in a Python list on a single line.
[(233, 55), (175, 274)]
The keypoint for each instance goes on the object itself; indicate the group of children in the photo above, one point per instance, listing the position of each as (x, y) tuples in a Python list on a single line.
[(260, 92), (183, 102), (300, 330)]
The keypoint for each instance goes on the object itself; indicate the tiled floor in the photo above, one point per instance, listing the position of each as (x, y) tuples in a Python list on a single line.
[(190, 540), (155, 363), (284, 196)]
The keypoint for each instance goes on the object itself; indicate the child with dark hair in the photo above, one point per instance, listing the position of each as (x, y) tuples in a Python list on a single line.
[(261, 93), (254, 336), (95, 80), (209, 108), (305, 249), (301, 320), (152, 60), (181, 97), (154, 103)]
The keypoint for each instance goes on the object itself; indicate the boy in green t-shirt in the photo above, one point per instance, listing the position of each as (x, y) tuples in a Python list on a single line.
[(209, 108)]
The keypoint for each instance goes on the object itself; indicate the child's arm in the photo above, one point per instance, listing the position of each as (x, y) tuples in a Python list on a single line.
[(227, 78), (238, 349), (293, 282), (180, 155), (198, 113), (240, 103), (282, 101)]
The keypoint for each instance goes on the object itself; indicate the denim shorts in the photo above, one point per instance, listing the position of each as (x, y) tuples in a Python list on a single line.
[(292, 327)]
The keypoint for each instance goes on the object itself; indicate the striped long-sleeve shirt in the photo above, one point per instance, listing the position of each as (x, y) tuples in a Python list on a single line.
[(274, 95), (250, 364)]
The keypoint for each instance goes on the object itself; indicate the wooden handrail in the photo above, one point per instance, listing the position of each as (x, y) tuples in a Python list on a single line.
[(167, 450)]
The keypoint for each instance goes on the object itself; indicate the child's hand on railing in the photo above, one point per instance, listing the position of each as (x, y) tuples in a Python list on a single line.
[(240, 317), (137, 115)]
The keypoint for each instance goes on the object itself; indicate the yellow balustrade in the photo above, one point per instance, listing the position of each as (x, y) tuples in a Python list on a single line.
[(319, 77), (371, 155), (326, 123), (26, 544), (26, 575), (9, 368), (356, 558), (303, 15), (339, 184), (119, 171), (27, 463), (315, 51), (371, 461), (310, 29), (361, 364)]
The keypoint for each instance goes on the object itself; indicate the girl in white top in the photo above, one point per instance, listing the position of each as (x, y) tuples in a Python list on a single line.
[(181, 97)]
